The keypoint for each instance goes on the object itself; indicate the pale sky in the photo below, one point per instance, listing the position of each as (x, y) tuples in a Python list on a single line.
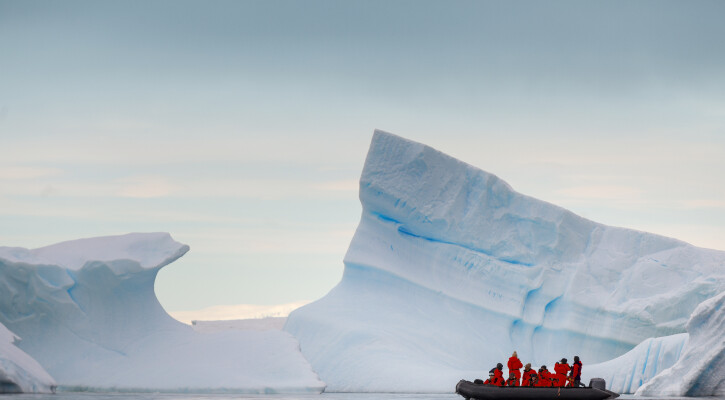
[(241, 127)]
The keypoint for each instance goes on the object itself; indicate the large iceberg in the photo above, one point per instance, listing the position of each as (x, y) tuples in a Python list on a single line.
[(450, 270), (87, 312)]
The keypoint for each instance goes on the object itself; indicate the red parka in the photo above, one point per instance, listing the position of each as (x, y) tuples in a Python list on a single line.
[(526, 381), (545, 378), (496, 381), (498, 377), (576, 372), (561, 371), (514, 365)]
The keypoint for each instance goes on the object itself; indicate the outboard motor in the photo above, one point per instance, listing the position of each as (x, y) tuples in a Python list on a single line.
[(598, 383)]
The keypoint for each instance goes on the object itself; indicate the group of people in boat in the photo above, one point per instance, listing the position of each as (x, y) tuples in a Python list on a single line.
[(564, 375)]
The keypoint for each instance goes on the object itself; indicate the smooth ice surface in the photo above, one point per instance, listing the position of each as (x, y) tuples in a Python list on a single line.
[(700, 371), (450, 270), (87, 312), (626, 373), (18, 371)]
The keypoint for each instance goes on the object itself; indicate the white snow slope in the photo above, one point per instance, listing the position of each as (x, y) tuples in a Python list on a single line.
[(18, 371), (451, 270), (87, 312)]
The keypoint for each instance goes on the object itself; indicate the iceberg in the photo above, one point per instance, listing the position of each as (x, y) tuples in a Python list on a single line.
[(627, 373), (87, 312), (700, 371), (451, 270), (18, 371), (689, 364)]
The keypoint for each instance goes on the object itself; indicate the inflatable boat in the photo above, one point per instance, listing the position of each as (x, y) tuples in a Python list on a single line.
[(595, 391)]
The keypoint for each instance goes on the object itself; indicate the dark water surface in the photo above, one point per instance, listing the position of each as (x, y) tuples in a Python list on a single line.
[(324, 396)]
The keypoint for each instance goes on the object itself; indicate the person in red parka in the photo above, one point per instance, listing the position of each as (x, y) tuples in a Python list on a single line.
[(495, 378), (490, 379), (528, 373), (512, 381), (514, 365), (544, 377), (498, 374), (562, 370), (576, 373)]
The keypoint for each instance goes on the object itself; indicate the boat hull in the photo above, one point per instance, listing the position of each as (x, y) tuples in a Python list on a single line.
[(470, 390)]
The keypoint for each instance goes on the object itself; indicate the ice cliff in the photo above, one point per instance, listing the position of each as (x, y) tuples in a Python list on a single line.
[(450, 270), (87, 312)]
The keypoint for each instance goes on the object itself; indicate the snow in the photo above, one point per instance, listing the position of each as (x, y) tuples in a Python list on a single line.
[(154, 251), (450, 270), (18, 371), (87, 312)]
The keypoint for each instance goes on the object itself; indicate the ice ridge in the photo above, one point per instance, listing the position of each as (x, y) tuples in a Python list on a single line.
[(87, 312)]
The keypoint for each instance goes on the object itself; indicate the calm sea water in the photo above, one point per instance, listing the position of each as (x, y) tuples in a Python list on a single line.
[(324, 396), (169, 396)]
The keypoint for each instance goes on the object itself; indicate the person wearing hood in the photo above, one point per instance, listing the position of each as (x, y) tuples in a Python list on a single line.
[(498, 374), (545, 377), (561, 369), (495, 378), (515, 365), (528, 374), (576, 373), (490, 379), (512, 381)]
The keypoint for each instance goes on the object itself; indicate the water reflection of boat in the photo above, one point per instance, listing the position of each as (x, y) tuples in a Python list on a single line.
[(595, 391)]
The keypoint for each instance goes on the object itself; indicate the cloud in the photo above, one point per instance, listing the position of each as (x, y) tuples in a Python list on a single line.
[(351, 185), (705, 203), (320, 239), (46, 182), (145, 187), (27, 173), (620, 193)]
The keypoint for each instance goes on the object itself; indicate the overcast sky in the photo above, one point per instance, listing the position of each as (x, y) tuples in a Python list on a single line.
[(241, 127)]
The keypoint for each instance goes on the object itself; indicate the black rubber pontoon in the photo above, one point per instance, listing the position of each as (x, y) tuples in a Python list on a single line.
[(470, 390)]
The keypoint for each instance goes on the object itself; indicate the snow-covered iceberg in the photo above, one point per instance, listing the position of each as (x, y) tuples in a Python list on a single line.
[(450, 270), (87, 312), (19, 373)]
